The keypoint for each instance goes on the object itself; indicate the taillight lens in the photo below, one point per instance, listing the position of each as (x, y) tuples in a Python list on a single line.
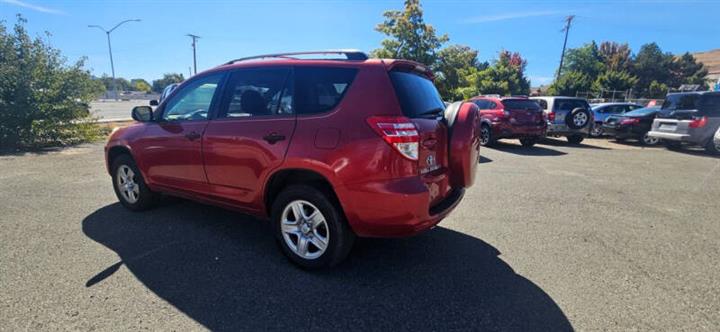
[(629, 122), (698, 122), (399, 132), (550, 116)]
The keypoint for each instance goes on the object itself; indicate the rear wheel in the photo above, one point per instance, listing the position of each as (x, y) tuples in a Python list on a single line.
[(130, 187), (597, 130), (649, 140), (486, 137), (528, 141), (575, 139), (713, 147), (309, 227)]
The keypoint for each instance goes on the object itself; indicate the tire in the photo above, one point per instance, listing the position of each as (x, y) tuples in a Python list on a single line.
[(129, 185), (672, 145), (713, 147), (648, 140), (486, 138), (575, 139), (330, 229), (578, 118), (597, 130), (528, 142)]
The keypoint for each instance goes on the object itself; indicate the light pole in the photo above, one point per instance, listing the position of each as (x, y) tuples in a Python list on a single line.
[(194, 41), (112, 65)]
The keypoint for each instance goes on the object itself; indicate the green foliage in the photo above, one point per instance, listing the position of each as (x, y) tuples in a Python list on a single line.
[(585, 59), (656, 90), (110, 85), (409, 37), (506, 76), (43, 101), (570, 83), (615, 56), (651, 64), (614, 80), (455, 64), (139, 84), (686, 70), (167, 79)]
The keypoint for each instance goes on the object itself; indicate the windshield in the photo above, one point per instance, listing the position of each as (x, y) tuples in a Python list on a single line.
[(417, 95), (681, 102)]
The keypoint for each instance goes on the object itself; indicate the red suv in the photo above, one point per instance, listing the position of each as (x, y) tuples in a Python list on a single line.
[(510, 117), (327, 149)]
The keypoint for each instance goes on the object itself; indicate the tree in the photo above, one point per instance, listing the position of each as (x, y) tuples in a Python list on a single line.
[(454, 64), (43, 100), (656, 90), (506, 76), (139, 84), (570, 83), (615, 56), (612, 80), (585, 59), (410, 38), (167, 79), (686, 70), (121, 83), (651, 64)]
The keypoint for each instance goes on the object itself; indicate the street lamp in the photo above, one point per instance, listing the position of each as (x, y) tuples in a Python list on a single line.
[(112, 65)]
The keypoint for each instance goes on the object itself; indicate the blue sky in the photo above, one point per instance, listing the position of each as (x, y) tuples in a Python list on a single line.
[(231, 29)]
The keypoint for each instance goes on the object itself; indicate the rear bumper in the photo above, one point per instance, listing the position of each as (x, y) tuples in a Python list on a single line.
[(508, 130), (670, 136), (622, 132), (395, 208), (564, 130)]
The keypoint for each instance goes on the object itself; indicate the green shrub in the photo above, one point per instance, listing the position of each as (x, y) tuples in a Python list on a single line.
[(43, 100)]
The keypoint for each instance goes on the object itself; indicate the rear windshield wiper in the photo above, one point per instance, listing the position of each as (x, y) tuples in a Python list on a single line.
[(431, 113)]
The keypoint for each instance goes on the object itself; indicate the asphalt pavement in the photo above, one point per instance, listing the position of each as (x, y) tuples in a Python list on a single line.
[(601, 236)]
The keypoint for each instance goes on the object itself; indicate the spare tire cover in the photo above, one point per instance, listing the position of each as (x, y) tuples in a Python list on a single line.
[(578, 118), (463, 121)]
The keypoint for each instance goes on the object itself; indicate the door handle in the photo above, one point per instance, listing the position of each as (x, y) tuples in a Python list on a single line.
[(192, 135), (273, 138)]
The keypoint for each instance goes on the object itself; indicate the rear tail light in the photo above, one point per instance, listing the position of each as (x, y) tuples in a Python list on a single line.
[(550, 116), (698, 122), (399, 132), (629, 122)]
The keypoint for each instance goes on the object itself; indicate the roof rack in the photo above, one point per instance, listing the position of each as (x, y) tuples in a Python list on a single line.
[(349, 54)]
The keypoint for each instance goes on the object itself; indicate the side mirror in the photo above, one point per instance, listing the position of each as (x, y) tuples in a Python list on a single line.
[(154, 102), (142, 113)]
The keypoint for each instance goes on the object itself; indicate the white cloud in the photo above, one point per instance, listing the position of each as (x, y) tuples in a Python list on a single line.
[(509, 16), (33, 7)]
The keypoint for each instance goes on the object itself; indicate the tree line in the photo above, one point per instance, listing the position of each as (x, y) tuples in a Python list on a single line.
[(139, 84)]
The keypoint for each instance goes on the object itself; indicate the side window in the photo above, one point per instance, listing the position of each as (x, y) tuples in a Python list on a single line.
[(710, 105), (193, 101), (256, 92), (543, 103), (481, 104), (319, 90), (492, 105)]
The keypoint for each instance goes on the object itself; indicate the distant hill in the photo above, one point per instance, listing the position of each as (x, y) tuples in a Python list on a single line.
[(711, 60)]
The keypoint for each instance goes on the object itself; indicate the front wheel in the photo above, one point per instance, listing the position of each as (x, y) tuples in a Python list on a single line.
[(528, 142), (310, 229), (575, 139), (713, 147), (130, 187)]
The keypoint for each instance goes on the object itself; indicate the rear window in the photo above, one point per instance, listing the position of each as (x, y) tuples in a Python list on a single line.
[(417, 95), (570, 104), (710, 104), (642, 111), (681, 102), (320, 89), (521, 104)]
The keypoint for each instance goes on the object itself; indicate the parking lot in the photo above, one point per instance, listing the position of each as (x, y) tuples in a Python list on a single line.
[(597, 236)]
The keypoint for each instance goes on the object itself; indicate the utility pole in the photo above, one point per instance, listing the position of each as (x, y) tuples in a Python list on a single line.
[(112, 65), (194, 39), (568, 23)]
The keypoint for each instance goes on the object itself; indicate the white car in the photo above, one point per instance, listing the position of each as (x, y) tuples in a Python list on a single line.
[(716, 139)]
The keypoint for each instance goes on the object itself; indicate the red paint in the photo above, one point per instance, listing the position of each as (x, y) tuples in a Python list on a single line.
[(511, 123), (381, 192)]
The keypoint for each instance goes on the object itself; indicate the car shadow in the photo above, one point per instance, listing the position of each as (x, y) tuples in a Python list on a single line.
[(223, 270), (523, 151), (483, 160), (694, 151), (562, 142)]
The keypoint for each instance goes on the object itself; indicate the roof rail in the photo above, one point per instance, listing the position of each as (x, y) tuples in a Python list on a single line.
[(349, 54)]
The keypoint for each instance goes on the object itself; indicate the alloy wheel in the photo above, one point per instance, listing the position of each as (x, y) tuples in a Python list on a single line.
[(649, 140), (484, 135), (580, 119), (127, 185), (304, 229)]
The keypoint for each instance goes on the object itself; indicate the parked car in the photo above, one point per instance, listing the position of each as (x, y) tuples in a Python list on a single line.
[(689, 118), (602, 111), (510, 117), (634, 125), (716, 140), (326, 149), (567, 116)]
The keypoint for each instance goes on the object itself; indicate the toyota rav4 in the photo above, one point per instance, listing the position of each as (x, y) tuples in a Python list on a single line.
[(326, 148)]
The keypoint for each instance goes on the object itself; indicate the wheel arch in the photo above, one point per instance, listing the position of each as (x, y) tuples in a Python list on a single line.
[(285, 177), (115, 151)]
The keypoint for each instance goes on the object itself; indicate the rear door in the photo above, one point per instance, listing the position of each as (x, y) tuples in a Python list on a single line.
[(421, 102), (251, 132)]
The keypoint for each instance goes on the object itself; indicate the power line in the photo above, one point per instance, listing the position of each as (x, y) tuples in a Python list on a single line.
[(566, 29), (194, 40)]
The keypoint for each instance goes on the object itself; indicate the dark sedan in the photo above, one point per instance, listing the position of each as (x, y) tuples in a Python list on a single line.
[(634, 125)]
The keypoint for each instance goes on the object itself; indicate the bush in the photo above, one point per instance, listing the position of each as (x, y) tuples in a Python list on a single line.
[(43, 101)]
